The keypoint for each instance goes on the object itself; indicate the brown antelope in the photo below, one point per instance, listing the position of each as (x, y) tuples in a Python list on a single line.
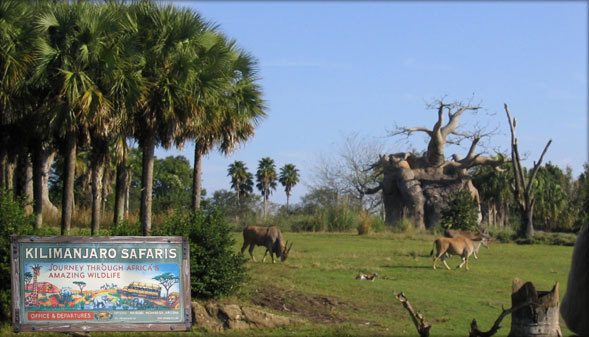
[(453, 233), (269, 237), (460, 245), (574, 303)]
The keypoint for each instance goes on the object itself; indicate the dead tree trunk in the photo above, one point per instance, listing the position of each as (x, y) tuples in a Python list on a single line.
[(541, 317), (522, 190)]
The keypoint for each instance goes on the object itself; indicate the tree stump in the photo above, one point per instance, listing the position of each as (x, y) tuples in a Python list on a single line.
[(540, 318)]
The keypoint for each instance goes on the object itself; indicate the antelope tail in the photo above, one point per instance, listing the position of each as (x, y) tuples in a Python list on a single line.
[(432, 252)]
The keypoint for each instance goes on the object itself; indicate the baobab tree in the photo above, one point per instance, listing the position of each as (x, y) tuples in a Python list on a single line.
[(417, 186)]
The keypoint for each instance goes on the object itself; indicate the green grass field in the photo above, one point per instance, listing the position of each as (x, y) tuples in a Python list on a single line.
[(317, 283)]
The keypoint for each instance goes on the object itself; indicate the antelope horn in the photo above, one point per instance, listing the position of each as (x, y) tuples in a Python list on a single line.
[(288, 251)]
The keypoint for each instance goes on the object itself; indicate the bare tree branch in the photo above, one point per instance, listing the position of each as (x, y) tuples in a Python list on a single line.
[(536, 167), (474, 329), (453, 122), (418, 319)]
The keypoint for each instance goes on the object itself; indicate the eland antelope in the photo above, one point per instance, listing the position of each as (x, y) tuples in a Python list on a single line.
[(460, 245), (452, 233), (269, 237)]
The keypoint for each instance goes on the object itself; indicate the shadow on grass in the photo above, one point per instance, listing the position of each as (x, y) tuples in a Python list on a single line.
[(404, 267)]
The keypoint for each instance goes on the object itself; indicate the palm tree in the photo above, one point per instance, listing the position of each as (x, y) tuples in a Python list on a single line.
[(100, 28), (15, 63), (23, 121), (289, 177), (68, 53), (167, 37), (230, 102), (241, 179), (127, 87), (266, 177)]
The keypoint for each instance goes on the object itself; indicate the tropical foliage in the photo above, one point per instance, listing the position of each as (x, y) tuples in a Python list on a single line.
[(241, 179), (86, 78), (289, 177), (266, 179)]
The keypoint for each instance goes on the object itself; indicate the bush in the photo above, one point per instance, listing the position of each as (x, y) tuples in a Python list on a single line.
[(365, 224), (461, 212), (126, 229), (215, 269), (13, 221), (403, 225)]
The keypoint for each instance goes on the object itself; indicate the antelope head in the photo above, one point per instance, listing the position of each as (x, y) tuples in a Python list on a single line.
[(285, 251)]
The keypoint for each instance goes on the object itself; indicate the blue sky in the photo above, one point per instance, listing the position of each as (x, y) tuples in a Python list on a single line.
[(329, 69)]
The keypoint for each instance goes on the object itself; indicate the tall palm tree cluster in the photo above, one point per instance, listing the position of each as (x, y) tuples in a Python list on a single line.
[(91, 76), (242, 180)]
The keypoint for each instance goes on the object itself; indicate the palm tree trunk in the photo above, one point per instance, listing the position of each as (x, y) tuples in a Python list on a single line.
[(196, 178), (287, 201), (68, 183), (97, 173), (48, 157), (37, 157), (147, 184), (21, 173), (3, 165), (121, 182), (265, 202), (127, 193), (238, 191)]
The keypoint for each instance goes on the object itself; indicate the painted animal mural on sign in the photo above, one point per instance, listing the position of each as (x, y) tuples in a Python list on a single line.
[(100, 301), (43, 290), (33, 298)]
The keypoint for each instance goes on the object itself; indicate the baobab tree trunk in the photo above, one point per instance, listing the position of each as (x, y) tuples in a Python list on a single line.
[(196, 177), (147, 184), (418, 187), (68, 183)]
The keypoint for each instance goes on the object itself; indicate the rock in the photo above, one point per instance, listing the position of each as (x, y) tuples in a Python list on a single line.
[(201, 318), (220, 317), (263, 319), (231, 311)]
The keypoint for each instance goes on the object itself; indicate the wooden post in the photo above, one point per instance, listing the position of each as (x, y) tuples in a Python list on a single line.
[(538, 319)]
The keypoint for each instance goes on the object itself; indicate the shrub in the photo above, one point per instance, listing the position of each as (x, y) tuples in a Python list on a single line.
[(378, 224), (13, 220), (126, 229), (403, 225), (365, 224), (461, 212), (215, 269)]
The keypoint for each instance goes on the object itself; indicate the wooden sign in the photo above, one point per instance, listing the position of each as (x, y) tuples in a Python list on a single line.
[(69, 283)]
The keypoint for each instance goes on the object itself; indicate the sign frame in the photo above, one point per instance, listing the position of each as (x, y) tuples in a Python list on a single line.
[(18, 293)]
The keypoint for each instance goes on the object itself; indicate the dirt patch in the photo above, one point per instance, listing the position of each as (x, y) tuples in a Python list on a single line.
[(318, 308)]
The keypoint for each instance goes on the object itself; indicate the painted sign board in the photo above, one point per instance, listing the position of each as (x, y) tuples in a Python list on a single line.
[(68, 283)]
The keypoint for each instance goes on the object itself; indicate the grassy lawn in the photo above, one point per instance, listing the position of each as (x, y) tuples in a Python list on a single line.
[(317, 283)]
